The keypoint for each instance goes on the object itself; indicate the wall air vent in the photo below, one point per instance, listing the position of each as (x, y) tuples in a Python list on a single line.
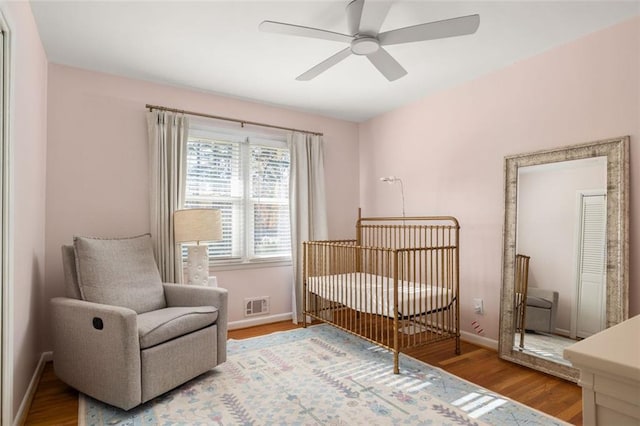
[(256, 306)]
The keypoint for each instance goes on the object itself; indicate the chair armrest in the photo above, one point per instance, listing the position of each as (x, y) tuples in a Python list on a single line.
[(554, 310), (195, 295), (96, 350)]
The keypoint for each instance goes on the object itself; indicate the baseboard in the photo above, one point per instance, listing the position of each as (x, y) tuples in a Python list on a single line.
[(234, 325), (464, 335), (23, 410), (479, 340)]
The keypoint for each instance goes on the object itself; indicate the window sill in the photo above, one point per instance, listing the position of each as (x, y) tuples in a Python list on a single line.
[(255, 264)]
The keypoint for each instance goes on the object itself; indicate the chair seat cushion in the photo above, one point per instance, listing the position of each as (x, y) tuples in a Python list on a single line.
[(538, 302), (162, 325)]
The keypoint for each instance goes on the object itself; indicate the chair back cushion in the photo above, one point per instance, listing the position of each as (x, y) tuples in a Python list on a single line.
[(539, 302), (119, 272)]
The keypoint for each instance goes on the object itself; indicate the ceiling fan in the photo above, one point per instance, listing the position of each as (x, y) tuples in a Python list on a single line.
[(367, 40)]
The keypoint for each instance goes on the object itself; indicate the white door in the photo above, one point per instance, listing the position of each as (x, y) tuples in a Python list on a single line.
[(5, 357), (591, 286), (4, 399)]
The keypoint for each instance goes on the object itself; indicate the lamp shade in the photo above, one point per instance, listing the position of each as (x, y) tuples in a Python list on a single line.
[(197, 225)]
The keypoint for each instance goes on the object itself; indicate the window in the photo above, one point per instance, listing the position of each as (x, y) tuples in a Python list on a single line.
[(247, 178)]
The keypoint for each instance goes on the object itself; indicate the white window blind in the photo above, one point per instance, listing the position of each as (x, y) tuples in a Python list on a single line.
[(248, 180), (269, 199)]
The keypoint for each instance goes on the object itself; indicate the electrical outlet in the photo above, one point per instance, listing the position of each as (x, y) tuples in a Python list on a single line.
[(478, 306)]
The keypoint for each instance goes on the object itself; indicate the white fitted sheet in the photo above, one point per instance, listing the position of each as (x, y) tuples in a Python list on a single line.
[(370, 293)]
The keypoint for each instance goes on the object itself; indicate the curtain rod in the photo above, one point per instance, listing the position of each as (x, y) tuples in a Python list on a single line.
[(217, 117)]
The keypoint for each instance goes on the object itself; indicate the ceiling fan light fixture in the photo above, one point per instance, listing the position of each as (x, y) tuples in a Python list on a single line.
[(365, 45)]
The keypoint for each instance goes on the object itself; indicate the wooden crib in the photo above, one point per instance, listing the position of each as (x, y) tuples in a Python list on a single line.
[(396, 284)]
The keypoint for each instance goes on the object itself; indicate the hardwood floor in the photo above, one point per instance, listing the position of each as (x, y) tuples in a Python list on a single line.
[(57, 404)]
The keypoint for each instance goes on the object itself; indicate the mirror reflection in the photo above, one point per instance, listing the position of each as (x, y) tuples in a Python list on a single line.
[(566, 254), (560, 280)]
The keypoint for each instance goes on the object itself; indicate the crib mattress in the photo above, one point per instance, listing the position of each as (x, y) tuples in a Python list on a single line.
[(373, 294)]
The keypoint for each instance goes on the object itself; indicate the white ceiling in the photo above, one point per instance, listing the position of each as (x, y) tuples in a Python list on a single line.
[(215, 46)]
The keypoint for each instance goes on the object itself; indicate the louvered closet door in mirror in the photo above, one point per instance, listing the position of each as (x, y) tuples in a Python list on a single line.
[(589, 310)]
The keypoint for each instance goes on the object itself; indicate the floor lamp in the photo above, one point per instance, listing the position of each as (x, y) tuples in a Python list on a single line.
[(196, 225)]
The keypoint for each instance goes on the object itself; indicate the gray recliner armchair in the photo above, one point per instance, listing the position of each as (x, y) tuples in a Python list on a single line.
[(121, 335), (541, 310)]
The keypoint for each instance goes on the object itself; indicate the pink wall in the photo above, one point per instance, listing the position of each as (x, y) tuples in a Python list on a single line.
[(28, 142), (449, 148), (97, 170)]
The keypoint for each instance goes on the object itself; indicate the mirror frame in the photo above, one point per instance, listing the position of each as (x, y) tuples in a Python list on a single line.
[(617, 304)]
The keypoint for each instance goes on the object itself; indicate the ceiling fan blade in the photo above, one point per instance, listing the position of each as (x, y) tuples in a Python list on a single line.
[(301, 31), (354, 14), (373, 15), (385, 63), (462, 25), (324, 65)]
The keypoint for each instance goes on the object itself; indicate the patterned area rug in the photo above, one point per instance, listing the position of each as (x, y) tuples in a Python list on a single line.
[(319, 376)]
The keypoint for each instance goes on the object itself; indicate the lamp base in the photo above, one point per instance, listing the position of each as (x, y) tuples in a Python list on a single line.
[(197, 265)]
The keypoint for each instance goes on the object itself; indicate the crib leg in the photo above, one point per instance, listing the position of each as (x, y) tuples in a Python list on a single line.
[(396, 366), (458, 345)]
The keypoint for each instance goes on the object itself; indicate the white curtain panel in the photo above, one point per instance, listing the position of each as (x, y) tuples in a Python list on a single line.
[(307, 201), (168, 135)]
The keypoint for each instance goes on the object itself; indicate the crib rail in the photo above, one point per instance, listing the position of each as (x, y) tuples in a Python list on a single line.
[(407, 232)]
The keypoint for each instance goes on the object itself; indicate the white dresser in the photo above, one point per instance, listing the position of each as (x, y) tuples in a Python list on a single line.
[(609, 364)]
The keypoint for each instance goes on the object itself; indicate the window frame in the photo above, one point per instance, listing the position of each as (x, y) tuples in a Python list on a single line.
[(245, 139)]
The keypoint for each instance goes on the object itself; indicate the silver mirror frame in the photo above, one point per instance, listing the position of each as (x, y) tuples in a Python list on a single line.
[(617, 305)]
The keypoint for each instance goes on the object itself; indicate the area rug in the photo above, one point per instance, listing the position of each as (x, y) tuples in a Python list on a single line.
[(319, 376), (545, 346)]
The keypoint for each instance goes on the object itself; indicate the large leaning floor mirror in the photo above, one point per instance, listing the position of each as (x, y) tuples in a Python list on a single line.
[(565, 261)]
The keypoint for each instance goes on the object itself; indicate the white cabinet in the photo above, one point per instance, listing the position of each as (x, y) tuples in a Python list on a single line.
[(609, 364)]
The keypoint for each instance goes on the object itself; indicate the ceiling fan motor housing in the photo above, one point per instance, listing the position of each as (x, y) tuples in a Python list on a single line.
[(365, 45)]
